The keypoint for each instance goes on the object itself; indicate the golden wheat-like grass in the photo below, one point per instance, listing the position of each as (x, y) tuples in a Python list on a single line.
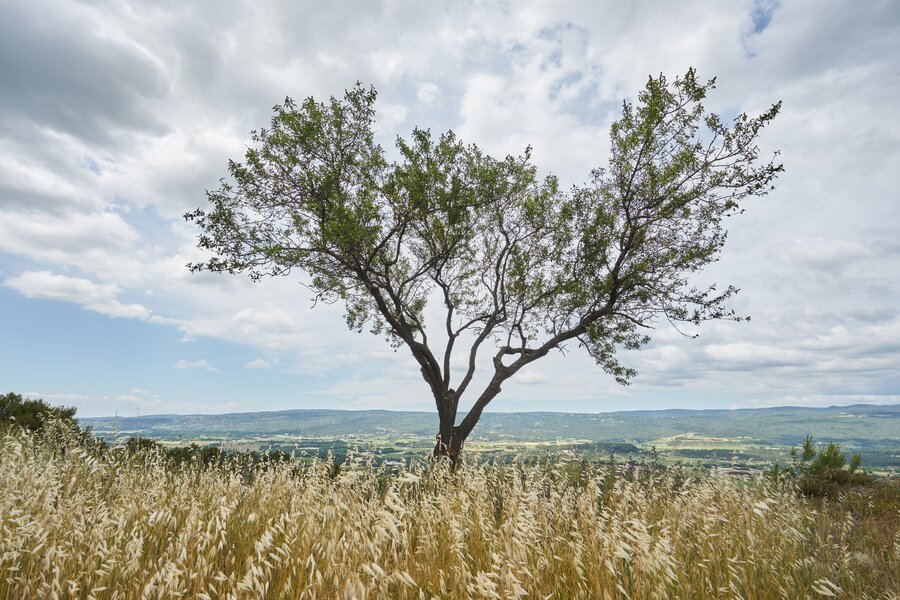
[(88, 524)]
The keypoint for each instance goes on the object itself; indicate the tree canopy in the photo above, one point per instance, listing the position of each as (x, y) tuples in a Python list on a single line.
[(32, 414), (516, 263)]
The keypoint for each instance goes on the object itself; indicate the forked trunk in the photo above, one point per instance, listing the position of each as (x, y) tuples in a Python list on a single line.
[(450, 438), (449, 444)]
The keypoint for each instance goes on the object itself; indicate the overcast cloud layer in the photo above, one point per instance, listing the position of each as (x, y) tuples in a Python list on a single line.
[(115, 117)]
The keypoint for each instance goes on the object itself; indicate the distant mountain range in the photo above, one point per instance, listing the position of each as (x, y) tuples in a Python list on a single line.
[(858, 425)]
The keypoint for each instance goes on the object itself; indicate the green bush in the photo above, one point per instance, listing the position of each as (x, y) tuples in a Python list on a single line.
[(139, 444), (823, 472), (207, 456), (32, 414)]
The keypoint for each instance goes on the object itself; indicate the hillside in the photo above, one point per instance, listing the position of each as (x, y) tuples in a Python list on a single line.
[(748, 436), (859, 424)]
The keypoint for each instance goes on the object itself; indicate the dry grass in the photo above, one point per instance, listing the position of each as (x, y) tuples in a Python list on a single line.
[(90, 524)]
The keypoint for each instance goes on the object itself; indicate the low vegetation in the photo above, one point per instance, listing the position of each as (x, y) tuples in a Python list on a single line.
[(80, 519), (205, 456), (30, 413), (823, 472), (753, 438)]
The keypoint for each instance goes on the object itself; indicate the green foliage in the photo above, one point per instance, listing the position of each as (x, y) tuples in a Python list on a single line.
[(206, 456), (513, 259), (822, 472), (829, 458), (32, 414), (139, 444), (809, 449)]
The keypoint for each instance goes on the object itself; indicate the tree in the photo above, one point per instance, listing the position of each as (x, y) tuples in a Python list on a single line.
[(32, 414), (820, 472), (514, 262)]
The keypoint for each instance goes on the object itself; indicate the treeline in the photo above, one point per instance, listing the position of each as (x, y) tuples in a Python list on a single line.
[(206, 455)]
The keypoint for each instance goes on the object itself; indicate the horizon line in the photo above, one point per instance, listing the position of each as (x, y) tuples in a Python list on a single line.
[(502, 412)]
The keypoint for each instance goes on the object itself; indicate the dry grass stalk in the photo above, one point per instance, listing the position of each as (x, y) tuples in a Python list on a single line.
[(84, 524)]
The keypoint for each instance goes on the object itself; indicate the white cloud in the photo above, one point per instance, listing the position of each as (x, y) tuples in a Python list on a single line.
[(196, 364), (137, 400), (259, 363), (821, 400), (57, 397), (224, 407), (746, 355), (72, 239), (530, 377), (94, 182), (428, 93), (99, 298), (824, 254), (25, 183), (391, 117), (94, 405)]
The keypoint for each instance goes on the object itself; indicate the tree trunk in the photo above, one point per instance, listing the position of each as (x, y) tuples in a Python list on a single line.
[(450, 438), (449, 444)]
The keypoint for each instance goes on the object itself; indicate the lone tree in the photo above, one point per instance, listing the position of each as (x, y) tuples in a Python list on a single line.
[(517, 264)]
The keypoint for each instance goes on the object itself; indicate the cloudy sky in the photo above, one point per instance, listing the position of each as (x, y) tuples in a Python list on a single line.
[(116, 116)]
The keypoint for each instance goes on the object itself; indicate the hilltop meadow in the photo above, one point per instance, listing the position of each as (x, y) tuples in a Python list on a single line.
[(81, 518)]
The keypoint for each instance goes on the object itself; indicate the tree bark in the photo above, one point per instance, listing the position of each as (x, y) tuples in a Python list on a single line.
[(449, 439), (449, 444), (452, 437)]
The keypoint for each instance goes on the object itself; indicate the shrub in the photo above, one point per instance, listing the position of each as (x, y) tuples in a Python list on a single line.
[(32, 414), (821, 472)]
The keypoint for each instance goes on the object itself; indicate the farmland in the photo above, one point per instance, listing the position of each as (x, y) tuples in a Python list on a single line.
[(741, 438)]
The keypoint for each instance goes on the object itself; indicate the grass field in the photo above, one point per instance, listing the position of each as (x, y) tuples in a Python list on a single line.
[(77, 521)]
